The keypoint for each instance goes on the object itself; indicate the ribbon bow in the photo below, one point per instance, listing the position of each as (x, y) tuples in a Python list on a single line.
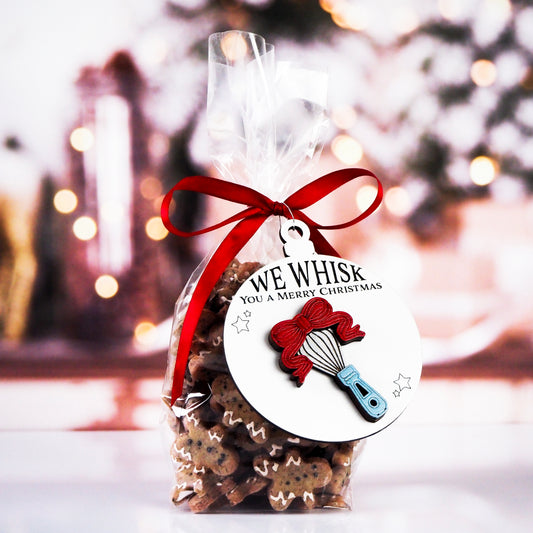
[(259, 208), (289, 335)]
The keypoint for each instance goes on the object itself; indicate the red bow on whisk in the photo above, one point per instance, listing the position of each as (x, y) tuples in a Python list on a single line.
[(289, 335), (259, 208)]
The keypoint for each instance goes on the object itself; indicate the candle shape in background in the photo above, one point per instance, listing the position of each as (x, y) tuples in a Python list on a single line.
[(112, 286), (19, 190), (114, 183)]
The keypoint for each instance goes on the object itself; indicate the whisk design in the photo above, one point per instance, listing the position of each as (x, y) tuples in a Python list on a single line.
[(311, 340)]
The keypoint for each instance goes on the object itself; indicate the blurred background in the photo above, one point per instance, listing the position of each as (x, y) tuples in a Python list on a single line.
[(102, 110)]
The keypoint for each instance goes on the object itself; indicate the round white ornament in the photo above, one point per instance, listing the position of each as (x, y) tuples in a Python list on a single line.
[(320, 346)]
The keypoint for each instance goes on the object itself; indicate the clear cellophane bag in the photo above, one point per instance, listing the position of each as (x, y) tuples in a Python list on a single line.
[(265, 121)]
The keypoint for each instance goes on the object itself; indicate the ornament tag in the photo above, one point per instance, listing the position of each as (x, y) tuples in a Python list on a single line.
[(320, 346)]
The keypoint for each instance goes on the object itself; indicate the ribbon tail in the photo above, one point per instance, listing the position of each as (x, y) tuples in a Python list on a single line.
[(296, 364), (226, 252)]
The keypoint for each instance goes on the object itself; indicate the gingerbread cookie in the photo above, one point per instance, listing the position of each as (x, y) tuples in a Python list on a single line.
[(207, 365), (341, 461), (333, 501), (206, 321), (293, 478), (233, 277), (340, 478), (209, 333), (344, 455), (275, 445), (187, 475), (251, 485), (211, 489), (279, 439), (238, 410), (207, 353), (204, 447)]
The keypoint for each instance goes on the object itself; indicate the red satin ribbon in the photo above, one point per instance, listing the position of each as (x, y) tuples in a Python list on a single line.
[(259, 208), (289, 335)]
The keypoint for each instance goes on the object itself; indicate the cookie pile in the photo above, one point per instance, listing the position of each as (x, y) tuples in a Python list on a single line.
[(224, 453)]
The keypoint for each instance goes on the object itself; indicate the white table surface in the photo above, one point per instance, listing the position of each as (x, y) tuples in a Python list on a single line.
[(410, 479)]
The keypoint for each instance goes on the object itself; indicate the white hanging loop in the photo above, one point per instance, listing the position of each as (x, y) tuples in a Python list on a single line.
[(296, 247)]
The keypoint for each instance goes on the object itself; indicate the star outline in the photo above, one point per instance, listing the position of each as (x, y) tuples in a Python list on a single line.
[(240, 324)]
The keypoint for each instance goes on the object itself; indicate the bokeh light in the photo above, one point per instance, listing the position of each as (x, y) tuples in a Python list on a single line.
[(500, 8), (347, 150), (84, 228), (350, 16), (158, 144), (233, 46), (81, 139), (483, 72), (150, 188), (106, 286), (344, 117), (483, 170), (405, 20), (365, 196), (142, 332), (398, 201), (65, 201), (328, 5), (155, 229)]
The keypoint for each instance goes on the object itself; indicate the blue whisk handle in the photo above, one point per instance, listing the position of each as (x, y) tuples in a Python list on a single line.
[(369, 402)]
